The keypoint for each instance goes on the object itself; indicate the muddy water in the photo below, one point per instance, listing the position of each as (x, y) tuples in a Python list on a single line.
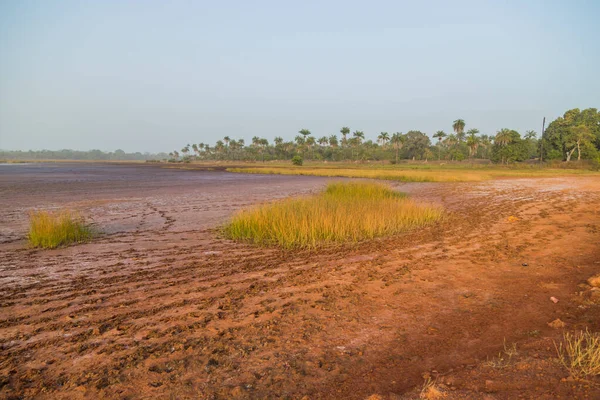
[(129, 198)]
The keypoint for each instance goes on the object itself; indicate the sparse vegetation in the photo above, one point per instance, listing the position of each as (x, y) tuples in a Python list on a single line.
[(50, 230), (504, 358), (580, 353), (430, 390), (344, 212)]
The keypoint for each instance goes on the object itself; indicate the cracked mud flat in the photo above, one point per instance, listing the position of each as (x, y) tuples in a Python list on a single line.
[(160, 307)]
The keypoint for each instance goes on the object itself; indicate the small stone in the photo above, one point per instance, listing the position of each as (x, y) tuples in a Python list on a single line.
[(554, 299), (525, 264), (557, 324), (594, 281)]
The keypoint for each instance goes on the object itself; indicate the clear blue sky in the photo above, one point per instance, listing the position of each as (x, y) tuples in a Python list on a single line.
[(156, 75)]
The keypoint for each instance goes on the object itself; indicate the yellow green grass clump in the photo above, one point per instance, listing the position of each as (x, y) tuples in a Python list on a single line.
[(413, 173), (344, 212), (581, 353), (50, 230), (403, 175)]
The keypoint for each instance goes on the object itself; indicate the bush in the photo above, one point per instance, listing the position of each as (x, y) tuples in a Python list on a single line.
[(50, 230), (297, 160)]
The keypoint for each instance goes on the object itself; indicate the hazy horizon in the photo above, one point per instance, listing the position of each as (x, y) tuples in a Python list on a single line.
[(154, 76)]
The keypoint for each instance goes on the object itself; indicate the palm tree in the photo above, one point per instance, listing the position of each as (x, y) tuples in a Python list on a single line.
[(503, 138), (473, 142), (398, 140), (278, 140), (485, 141), (310, 143), (451, 140), (304, 132), (530, 135), (439, 135), (186, 150), (459, 127), (383, 138), (359, 135), (233, 147), (344, 131), (333, 141), (323, 141), (264, 145)]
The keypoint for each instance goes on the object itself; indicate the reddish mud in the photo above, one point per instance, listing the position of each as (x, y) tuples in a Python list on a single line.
[(159, 306)]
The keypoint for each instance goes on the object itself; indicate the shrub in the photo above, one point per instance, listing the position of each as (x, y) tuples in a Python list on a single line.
[(344, 212), (297, 160), (581, 354), (50, 230)]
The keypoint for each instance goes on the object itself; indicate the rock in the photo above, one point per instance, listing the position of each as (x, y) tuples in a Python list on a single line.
[(525, 264), (556, 324), (554, 299), (374, 397), (489, 386), (594, 281)]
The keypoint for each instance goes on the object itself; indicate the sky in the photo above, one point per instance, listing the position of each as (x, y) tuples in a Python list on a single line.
[(156, 75)]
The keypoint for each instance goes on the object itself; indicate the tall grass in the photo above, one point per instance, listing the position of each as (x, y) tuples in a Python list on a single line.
[(344, 212), (386, 174), (580, 353), (413, 173), (50, 230)]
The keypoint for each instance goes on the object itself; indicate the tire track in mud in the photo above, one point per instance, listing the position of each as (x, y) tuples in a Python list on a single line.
[(212, 318)]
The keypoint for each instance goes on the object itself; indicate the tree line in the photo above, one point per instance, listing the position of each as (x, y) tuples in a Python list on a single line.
[(117, 155), (577, 132)]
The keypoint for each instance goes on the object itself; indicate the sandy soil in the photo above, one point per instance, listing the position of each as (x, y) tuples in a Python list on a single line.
[(160, 307)]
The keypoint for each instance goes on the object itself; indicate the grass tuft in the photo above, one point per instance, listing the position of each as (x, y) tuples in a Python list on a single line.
[(344, 212), (50, 230), (580, 353)]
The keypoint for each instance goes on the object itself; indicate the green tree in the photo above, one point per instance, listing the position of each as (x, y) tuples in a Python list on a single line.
[(416, 144), (562, 134)]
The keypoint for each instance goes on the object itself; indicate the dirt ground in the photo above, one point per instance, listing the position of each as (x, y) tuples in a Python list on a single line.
[(159, 306)]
